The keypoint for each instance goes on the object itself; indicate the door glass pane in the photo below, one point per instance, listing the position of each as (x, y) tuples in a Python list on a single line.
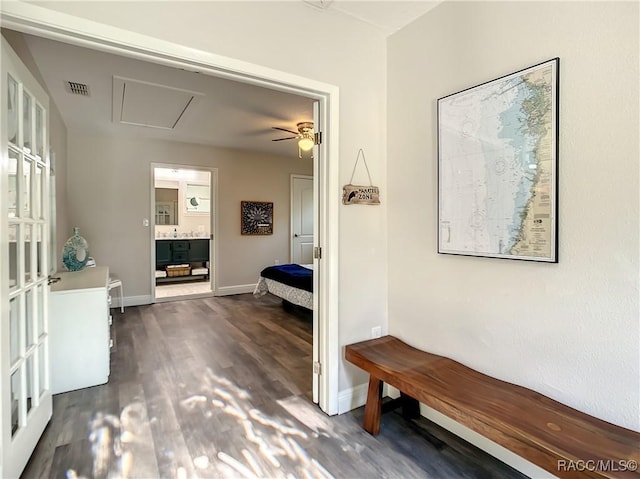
[(39, 138), (28, 237), (13, 183), (30, 388), (41, 268), (25, 188), (37, 194), (29, 317), (14, 329), (13, 256), (27, 133), (15, 399), (41, 369), (40, 310), (12, 113)]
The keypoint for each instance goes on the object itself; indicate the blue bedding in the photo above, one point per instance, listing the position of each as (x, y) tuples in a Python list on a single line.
[(290, 274)]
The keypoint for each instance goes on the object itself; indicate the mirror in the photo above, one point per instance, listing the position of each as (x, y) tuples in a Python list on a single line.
[(166, 206)]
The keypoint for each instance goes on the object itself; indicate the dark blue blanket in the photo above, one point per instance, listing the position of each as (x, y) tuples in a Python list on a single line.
[(291, 275)]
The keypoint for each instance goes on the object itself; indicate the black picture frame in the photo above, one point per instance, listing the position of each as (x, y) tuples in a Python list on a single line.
[(256, 218), (498, 167)]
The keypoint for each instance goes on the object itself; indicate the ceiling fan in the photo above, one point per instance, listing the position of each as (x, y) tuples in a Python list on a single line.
[(305, 137)]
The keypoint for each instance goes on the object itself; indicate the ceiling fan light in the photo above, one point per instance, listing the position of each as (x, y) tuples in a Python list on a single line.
[(305, 144)]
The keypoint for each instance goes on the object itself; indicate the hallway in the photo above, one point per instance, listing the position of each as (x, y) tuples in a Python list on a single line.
[(221, 387)]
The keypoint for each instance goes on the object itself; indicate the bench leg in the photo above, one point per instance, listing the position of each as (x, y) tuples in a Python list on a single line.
[(410, 406), (373, 408)]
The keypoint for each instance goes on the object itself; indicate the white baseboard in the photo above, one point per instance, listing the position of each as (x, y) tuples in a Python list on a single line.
[(130, 300), (146, 299), (352, 398), (238, 289), (356, 397)]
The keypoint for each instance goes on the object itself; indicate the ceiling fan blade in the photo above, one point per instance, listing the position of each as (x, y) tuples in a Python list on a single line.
[(290, 138), (284, 129)]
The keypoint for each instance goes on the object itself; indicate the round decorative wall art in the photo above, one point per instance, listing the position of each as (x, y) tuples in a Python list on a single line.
[(75, 252)]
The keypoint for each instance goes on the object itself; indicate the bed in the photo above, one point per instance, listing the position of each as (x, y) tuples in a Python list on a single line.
[(291, 282)]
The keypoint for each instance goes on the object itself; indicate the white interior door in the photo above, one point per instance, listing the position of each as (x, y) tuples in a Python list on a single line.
[(301, 219), (24, 251)]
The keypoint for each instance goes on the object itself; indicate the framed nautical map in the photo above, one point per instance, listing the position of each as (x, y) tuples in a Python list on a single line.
[(498, 167)]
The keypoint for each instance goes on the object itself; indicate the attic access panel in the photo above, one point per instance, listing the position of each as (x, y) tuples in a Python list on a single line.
[(141, 103)]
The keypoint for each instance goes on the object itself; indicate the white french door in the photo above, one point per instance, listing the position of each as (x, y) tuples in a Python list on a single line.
[(25, 401)]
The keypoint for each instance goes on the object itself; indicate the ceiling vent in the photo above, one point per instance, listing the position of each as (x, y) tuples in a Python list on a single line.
[(76, 88)]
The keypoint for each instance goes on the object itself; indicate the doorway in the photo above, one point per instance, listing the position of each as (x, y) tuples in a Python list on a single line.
[(183, 210), (38, 21)]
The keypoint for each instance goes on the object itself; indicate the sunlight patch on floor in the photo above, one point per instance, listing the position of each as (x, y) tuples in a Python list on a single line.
[(120, 445), (258, 446), (272, 446)]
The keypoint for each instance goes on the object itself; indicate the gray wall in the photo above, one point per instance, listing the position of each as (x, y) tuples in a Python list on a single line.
[(109, 192)]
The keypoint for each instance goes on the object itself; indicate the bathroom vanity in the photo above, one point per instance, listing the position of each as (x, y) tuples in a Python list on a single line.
[(182, 251)]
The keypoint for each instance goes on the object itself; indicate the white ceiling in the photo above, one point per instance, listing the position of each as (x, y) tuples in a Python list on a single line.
[(388, 16), (125, 94), (223, 113)]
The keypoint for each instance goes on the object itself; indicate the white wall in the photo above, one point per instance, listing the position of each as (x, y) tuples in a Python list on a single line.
[(568, 330), (109, 191), (323, 45)]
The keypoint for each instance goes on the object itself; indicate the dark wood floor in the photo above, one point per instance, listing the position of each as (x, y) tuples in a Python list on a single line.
[(221, 387)]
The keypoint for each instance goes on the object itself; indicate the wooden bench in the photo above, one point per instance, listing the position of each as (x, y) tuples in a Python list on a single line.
[(559, 439)]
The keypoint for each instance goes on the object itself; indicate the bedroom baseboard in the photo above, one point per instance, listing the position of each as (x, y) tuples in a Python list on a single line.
[(130, 300), (239, 289), (146, 299)]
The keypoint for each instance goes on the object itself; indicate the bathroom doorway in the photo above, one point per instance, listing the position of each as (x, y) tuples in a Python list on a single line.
[(183, 215)]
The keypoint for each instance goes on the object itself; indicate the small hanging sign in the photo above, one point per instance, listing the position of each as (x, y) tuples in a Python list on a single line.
[(360, 195)]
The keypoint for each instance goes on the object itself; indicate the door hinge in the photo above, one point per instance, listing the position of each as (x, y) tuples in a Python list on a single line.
[(317, 138), (316, 367), (317, 252)]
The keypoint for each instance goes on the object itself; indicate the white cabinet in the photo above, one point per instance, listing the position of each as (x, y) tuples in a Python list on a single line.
[(79, 329)]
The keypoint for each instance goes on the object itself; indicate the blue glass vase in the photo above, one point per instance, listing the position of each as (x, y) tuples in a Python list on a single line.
[(75, 252)]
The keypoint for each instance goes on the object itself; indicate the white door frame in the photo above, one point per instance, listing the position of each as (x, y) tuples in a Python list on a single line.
[(54, 25), (213, 227)]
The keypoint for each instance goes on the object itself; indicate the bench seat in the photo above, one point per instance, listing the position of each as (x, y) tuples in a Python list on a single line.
[(547, 433)]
